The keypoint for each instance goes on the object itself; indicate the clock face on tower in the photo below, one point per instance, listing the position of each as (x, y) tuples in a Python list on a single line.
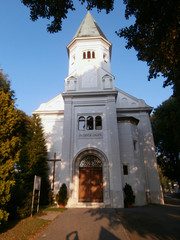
[(89, 77)]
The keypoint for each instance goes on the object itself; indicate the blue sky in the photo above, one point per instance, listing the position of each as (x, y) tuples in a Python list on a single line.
[(37, 61)]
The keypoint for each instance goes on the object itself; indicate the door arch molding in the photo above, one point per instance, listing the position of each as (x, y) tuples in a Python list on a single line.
[(105, 168)]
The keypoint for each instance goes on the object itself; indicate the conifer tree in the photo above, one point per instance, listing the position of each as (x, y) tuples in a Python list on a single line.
[(10, 143), (33, 158)]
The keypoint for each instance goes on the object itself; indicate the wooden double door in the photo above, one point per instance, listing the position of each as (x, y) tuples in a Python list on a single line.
[(90, 184)]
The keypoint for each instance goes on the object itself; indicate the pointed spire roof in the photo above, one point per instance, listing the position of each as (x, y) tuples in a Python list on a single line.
[(89, 28)]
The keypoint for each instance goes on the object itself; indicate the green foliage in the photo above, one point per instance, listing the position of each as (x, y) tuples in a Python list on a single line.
[(33, 158), (163, 179), (49, 9), (61, 197), (129, 197), (24, 209), (33, 161), (57, 10), (166, 129), (155, 35), (22, 155), (10, 143)]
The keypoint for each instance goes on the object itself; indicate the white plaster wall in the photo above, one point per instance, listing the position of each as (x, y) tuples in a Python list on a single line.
[(97, 45), (89, 72), (53, 131), (127, 133), (153, 190), (143, 175), (144, 159), (138, 169)]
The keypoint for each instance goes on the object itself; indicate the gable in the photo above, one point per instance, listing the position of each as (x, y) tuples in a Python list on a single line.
[(54, 105), (127, 101)]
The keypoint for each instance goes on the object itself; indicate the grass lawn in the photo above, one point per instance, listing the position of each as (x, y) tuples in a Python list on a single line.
[(52, 209), (24, 229), (28, 228)]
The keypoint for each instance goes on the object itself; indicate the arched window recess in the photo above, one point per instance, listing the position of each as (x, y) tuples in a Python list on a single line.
[(90, 124), (98, 123), (89, 54), (81, 123)]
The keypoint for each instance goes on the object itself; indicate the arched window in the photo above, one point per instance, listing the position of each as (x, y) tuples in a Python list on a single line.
[(98, 123), (84, 55), (90, 123), (81, 123), (88, 54), (93, 54), (90, 161)]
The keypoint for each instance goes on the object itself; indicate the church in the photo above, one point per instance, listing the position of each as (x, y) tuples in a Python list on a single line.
[(98, 137)]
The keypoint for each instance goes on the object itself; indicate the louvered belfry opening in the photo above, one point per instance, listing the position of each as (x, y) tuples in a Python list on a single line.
[(90, 179)]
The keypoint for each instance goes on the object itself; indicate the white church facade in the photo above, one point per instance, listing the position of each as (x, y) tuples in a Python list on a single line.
[(98, 137)]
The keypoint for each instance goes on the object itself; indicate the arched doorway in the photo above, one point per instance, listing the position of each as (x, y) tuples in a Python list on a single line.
[(90, 179)]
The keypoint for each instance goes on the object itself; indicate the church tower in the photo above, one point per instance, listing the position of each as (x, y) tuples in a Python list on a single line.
[(89, 59), (90, 128)]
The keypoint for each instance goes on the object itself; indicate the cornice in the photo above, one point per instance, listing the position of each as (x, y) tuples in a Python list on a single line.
[(59, 112), (135, 109), (88, 94)]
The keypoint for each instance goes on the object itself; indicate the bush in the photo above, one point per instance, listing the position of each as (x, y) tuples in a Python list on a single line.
[(61, 197), (129, 197), (24, 210)]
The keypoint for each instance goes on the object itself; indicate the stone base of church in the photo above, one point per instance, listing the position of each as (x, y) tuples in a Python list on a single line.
[(141, 199), (116, 201), (87, 205)]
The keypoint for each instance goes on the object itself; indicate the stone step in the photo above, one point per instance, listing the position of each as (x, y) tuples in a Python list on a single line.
[(88, 205)]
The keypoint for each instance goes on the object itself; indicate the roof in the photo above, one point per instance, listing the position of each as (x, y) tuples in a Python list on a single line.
[(89, 28), (55, 105)]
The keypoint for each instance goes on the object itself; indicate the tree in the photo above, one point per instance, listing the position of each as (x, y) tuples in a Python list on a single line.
[(10, 143), (23, 154), (58, 10), (166, 129), (155, 34), (33, 161)]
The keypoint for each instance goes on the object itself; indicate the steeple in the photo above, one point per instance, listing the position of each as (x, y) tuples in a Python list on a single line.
[(89, 28), (89, 59)]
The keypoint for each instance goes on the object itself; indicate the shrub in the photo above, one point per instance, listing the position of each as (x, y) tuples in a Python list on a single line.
[(61, 197), (129, 197)]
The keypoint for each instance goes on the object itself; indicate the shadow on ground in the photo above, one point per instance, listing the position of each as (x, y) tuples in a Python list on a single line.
[(149, 222), (162, 222), (104, 235), (4, 227)]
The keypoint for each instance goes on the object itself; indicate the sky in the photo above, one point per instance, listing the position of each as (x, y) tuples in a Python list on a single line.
[(37, 62)]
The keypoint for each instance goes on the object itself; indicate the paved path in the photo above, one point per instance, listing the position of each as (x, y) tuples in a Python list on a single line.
[(85, 224), (152, 222)]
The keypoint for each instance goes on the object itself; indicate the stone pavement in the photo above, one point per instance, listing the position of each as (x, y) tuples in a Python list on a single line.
[(49, 215), (85, 224), (153, 222)]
